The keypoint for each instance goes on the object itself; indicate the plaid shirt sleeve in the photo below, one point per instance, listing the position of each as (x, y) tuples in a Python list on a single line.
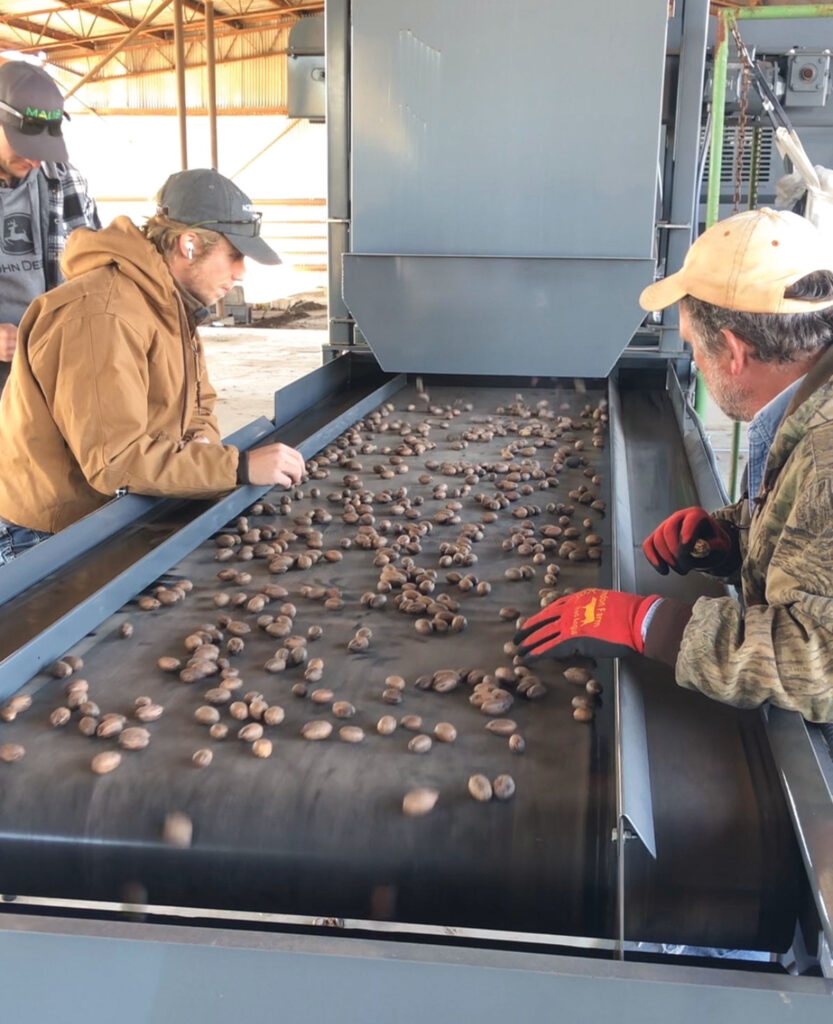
[(69, 206)]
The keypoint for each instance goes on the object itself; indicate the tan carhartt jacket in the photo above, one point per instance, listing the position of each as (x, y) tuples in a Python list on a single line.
[(107, 389)]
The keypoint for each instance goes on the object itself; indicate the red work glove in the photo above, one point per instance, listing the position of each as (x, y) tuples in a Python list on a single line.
[(674, 544), (594, 623)]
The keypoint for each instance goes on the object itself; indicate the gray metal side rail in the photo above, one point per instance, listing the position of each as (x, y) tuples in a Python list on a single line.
[(803, 761), (313, 411)]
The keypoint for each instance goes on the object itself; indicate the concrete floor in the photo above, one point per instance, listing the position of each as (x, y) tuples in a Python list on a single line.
[(248, 366)]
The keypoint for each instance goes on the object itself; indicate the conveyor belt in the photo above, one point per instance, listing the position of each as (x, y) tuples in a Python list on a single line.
[(717, 775), (324, 397), (317, 829)]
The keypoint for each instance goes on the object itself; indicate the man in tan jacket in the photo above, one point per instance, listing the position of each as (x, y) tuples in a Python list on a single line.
[(109, 391)]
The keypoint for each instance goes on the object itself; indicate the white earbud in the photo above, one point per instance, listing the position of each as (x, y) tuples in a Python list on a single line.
[(189, 249)]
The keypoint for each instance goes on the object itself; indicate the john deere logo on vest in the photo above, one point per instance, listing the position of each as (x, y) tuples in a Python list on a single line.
[(44, 115)]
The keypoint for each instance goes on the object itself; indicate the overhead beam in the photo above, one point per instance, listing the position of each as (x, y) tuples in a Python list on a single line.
[(199, 7), (194, 66), (116, 49), (90, 42), (60, 58), (104, 11), (67, 49), (102, 8), (37, 30), (278, 110), (81, 7)]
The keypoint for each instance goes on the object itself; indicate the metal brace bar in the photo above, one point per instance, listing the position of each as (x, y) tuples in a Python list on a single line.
[(634, 807), (808, 799), (30, 658), (59, 550), (710, 487)]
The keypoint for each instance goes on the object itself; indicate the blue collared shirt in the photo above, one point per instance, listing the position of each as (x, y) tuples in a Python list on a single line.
[(762, 431)]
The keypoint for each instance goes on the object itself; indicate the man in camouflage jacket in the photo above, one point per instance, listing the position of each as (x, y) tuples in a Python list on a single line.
[(756, 304)]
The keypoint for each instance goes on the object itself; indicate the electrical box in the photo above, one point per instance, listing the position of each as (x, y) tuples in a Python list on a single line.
[(808, 78), (306, 70)]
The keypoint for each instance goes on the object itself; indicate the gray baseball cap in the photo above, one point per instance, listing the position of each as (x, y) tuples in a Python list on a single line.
[(32, 112), (203, 198)]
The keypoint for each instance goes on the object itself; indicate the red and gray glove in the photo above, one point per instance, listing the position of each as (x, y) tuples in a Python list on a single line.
[(594, 623), (692, 539)]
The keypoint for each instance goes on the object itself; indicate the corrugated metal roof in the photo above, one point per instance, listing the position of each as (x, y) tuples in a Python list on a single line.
[(244, 83), (250, 43)]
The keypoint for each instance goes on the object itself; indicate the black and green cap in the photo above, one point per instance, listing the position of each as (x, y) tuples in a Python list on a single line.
[(203, 198), (32, 112)]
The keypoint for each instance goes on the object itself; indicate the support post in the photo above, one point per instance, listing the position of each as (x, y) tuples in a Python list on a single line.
[(211, 76), (337, 45), (720, 62), (181, 107)]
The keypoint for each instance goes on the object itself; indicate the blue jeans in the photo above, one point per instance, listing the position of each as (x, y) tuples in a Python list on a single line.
[(14, 540)]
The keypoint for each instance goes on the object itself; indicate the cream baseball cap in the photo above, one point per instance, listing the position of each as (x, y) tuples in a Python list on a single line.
[(746, 262)]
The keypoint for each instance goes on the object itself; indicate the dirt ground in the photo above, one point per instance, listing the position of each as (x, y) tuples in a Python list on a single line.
[(305, 311), (307, 316), (247, 366), (248, 363)]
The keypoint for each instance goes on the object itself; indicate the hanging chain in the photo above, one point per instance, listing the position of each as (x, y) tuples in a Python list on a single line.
[(740, 147), (740, 132)]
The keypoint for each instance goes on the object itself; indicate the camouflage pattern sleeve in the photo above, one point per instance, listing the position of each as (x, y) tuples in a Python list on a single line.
[(731, 513), (736, 519), (780, 648)]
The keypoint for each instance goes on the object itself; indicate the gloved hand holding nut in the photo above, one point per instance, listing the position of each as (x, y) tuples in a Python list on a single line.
[(693, 539)]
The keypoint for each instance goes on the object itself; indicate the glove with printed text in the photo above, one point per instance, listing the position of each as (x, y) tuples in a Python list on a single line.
[(594, 623)]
